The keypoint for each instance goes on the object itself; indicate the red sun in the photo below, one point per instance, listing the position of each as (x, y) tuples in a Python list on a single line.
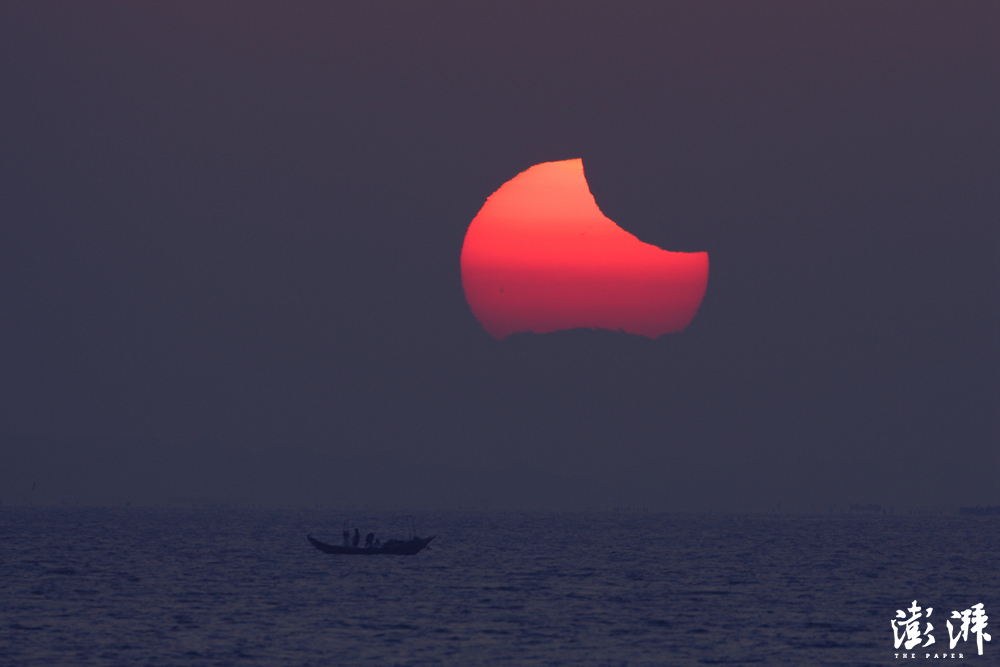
[(540, 256)]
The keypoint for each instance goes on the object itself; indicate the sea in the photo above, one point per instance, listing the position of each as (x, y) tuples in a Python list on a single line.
[(223, 586)]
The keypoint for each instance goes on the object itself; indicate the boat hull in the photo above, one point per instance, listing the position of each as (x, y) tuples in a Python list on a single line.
[(407, 548)]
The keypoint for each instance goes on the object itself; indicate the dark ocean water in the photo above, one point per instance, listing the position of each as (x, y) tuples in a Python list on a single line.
[(233, 587)]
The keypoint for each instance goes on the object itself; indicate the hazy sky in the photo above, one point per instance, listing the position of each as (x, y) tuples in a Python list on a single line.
[(230, 238)]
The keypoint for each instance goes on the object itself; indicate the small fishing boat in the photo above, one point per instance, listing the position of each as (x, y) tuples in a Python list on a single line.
[(392, 547)]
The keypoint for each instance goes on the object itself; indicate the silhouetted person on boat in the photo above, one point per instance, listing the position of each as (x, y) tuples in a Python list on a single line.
[(347, 539), (369, 539), (357, 538)]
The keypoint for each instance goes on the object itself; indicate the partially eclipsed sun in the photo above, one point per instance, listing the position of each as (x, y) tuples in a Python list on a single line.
[(540, 256)]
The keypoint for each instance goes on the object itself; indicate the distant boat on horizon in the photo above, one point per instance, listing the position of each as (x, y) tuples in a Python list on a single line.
[(389, 547)]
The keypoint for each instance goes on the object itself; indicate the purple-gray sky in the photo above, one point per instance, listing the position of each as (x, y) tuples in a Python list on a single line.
[(230, 232)]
